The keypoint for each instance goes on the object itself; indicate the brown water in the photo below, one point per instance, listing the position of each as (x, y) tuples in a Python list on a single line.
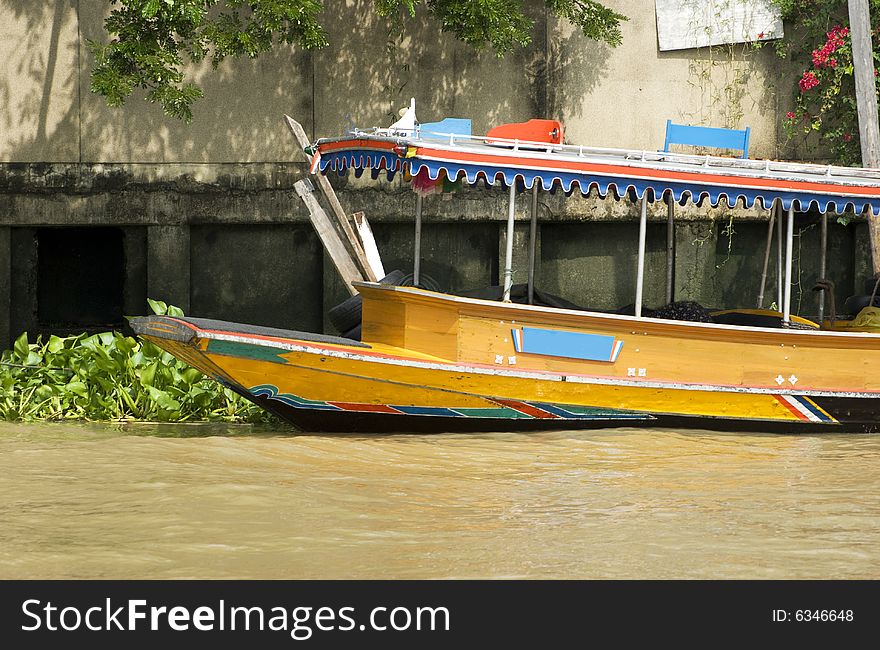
[(208, 501)]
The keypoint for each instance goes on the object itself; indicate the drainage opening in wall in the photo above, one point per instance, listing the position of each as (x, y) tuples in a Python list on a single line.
[(80, 278)]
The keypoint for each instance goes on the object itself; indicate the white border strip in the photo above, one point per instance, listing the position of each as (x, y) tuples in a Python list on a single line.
[(501, 371)]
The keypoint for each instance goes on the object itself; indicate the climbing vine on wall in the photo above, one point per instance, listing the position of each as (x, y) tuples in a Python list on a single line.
[(825, 104)]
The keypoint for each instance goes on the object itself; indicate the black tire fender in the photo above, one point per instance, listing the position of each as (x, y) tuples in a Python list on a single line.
[(347, 315)]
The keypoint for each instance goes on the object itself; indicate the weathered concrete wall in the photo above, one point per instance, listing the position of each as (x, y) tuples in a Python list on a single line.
[(269, 274), (622, 97), (39, 81), (606, 96)]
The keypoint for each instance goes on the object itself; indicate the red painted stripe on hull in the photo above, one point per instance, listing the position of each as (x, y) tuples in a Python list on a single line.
[(790, 407), (528, 409)]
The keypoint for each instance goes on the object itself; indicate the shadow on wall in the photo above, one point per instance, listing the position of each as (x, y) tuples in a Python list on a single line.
[(574, 68), (39, 88), (370, 72), (53, 117), (371, 69)]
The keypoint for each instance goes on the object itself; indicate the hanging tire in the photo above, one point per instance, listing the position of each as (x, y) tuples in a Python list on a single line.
[(425, 282), (347, 315)]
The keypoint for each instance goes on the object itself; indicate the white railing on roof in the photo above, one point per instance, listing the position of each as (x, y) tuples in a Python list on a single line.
[(458, 141)]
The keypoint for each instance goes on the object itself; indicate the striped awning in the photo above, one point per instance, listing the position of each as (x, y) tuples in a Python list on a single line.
[(608, 172)]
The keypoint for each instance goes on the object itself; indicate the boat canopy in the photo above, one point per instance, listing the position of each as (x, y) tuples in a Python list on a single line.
[(654, 175)]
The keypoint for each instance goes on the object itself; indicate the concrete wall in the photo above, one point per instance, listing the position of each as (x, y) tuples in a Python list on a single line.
[(605, 96), (211, 223), (623, 96)]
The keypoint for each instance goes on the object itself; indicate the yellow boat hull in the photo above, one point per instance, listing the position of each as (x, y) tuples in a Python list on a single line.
[(433, 362)]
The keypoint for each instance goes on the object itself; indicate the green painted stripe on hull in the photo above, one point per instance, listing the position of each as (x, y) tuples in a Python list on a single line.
[(502, 412), (246, 351)]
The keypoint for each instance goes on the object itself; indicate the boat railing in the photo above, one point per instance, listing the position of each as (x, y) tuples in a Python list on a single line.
[(461, 141)]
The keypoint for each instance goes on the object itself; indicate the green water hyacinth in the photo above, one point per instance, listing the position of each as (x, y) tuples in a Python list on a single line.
[(110, 376)]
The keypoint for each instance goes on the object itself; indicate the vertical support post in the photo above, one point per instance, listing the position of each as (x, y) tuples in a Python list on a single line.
[(168, 264), (823, 254), (640, 271), (866, 102), (508, 250), (770, 224), (6, 287), (417, 246), (670, 248), (533, 235), (779, 244), (789, 245)]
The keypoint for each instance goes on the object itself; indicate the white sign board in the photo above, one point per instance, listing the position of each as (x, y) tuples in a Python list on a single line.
[(686, 24)]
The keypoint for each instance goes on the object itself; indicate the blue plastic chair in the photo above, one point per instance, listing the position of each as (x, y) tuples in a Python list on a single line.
[(707, 136)]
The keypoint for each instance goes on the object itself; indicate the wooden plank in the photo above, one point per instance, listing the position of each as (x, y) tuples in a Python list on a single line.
[(685, 24), (350, 239), (362, 227), (333, 243), (866, 100)]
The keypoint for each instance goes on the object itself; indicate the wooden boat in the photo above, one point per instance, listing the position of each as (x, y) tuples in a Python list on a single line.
[(429, 361)]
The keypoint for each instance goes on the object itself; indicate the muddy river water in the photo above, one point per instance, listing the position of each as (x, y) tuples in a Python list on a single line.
[(223, 501)]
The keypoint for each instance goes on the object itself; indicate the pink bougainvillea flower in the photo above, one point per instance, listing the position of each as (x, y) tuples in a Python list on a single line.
[(808, 81), (847, 137), (790, 115)]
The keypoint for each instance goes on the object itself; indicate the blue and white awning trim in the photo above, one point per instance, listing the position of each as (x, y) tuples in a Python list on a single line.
[(751, 183)]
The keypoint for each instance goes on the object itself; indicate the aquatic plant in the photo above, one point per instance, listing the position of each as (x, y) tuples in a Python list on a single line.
[(110, 376)]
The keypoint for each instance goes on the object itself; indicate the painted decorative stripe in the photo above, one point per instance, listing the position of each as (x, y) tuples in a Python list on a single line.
[(429, 411), (506, 409), (270, 391), (370, 408), (500, 412), (517, 339), (588, 413), (567, 344), (804, 408), (528, 409), (246, 350)]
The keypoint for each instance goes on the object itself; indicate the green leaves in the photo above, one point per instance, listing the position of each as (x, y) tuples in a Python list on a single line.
[(499, 23), (824, 101), (503, 25), (151, 41), (110, 376), (21, 347), (595, 20)]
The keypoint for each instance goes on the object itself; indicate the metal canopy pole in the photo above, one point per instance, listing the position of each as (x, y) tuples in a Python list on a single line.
[(770, 224), (417, 253), (823, 249), (789, 245), (670, 248), (508, 253), (779, 238), (533, 234), (640, 272)]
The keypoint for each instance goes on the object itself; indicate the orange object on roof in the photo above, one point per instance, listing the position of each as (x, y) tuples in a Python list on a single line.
[(549, 131)]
